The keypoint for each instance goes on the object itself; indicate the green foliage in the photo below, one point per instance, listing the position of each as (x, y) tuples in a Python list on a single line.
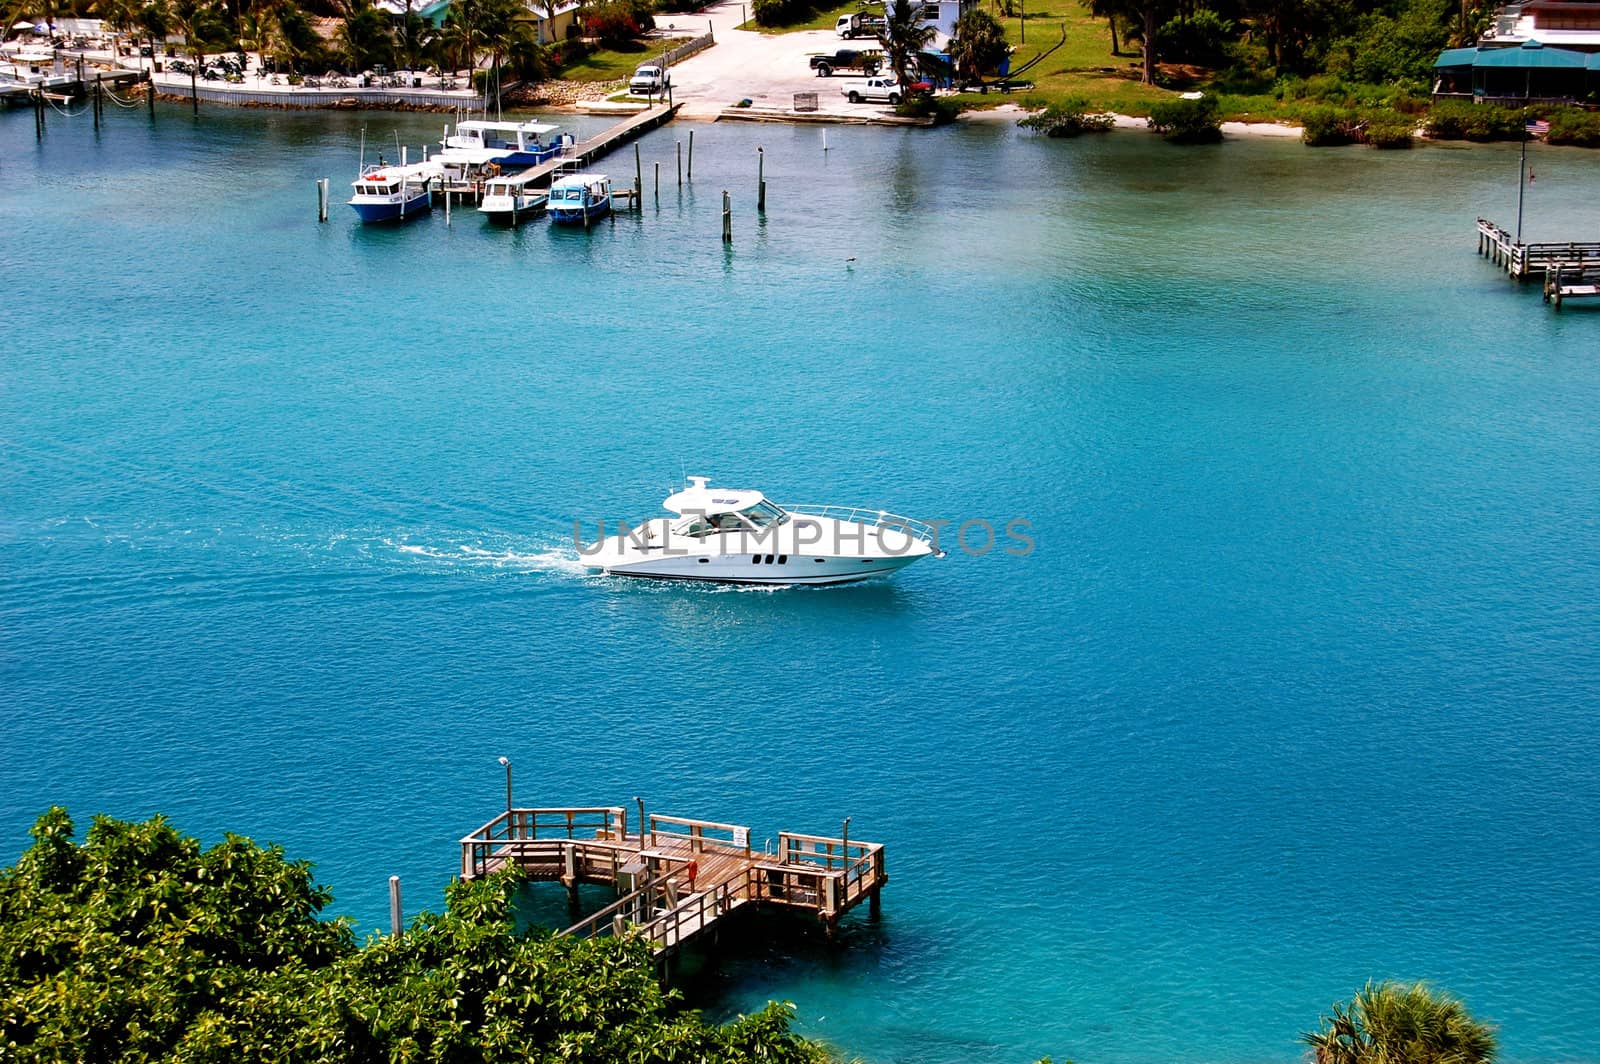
[(780, 12), (1328, 126), (1391, 1023), (923, 105), (618, 21), (1202, 37), (1571, 125), (1067, 119), (1389, 129), (1188, 121), (140, 946), (366, 39), (1381, 48), (979, 45), (1453, 120)]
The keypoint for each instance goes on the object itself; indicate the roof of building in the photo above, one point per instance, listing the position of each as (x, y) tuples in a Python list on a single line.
[(1530, 55)]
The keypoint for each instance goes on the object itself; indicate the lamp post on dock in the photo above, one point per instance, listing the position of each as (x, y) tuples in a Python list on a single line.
[(1522, 180), (506, 762)]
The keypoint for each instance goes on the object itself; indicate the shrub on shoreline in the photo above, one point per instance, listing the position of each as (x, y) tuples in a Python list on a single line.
[(1451, 120), (1188, 121), (1323, 127), (1067, 119)]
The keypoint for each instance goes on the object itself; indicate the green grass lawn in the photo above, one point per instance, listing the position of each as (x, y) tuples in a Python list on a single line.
[(609, 64), (822, 19), (1084, 67)]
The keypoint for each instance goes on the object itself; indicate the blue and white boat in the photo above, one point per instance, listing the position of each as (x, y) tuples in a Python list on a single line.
[(394, 193), (579, 198), (509, 145)]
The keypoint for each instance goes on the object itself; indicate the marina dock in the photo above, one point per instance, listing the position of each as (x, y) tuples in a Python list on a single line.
[(677, 878), (1569, 269), (581, 155)]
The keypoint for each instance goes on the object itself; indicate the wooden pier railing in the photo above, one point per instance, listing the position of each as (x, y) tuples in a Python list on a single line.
[(679, 876), (1525, 260)]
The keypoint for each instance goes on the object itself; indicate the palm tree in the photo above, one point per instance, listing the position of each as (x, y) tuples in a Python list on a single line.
[(199, 22), (904, 36), (980, 44), (1391, 1023)]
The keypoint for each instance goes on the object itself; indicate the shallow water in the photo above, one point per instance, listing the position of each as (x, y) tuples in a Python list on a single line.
[(1297, 689)]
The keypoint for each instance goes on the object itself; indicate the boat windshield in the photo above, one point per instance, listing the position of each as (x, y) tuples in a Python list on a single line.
[(763, 515), (709, 524)]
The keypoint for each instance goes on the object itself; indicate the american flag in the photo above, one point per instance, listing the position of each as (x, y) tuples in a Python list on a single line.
[(1538, 127)]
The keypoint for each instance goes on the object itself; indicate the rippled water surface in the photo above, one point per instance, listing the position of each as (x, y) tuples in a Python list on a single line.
[(1298, 687)]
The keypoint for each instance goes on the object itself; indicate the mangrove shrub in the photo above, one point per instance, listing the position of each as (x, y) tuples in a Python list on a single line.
[(1188, 121)]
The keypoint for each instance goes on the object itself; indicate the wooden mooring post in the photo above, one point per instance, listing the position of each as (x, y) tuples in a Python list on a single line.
[(761, 180), (691, 156), (322, 199), (727, 218), (680, 164)]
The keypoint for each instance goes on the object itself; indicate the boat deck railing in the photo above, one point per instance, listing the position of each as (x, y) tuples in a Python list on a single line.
[(919, 530)]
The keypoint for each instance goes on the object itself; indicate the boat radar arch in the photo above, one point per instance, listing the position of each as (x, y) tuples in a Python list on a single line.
[(700, 498)]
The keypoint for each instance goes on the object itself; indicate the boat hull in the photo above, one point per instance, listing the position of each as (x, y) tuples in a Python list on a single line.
[(579, 215), (393, 211)]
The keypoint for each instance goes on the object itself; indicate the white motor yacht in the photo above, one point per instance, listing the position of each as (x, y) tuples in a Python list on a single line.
[(739, 537)]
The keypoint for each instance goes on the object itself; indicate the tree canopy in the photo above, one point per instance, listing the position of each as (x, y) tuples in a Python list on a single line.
[(1393, 1023), (139, 945)]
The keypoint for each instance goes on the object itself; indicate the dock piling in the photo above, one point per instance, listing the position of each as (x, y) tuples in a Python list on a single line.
[(322, 199), (680, 164), (638, 177), (691, 156), (396, 921), (658, 180), (761, 180), (727, 218)]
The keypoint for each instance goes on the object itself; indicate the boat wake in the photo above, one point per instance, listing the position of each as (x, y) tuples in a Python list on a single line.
[(489, 555)]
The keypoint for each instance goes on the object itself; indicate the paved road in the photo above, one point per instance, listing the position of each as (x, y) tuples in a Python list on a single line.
[(767, 68)]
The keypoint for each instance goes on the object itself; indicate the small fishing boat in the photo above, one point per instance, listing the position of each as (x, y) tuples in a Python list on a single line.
[(579, 198), (733, 536), (394, 193), (509, 196)]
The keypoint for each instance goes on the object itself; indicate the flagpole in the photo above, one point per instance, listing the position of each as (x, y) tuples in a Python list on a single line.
[(1522, 174)]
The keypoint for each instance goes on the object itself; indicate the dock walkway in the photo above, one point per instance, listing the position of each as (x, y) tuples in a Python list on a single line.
[(679, 877), (1523, 261), (596, 147)]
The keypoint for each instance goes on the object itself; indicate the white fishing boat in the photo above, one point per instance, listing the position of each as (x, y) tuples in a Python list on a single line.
[(507, 197), (394, 193), (579, 198), (733, 536), (509, 145)]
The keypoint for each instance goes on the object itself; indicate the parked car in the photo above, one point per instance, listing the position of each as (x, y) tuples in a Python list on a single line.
[(874, 90), (869, 61), (649, 81), (859, 24)]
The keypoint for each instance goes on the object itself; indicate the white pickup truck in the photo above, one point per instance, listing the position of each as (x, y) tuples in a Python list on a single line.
[(649, 81), (874, 90)]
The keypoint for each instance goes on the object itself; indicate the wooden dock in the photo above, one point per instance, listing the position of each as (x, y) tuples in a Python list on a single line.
[(678, 877), (580, 157), (587, 152), (1524, 261)]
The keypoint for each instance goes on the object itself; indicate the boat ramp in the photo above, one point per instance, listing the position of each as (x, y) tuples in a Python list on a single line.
[(1569, 269), (677, 879)]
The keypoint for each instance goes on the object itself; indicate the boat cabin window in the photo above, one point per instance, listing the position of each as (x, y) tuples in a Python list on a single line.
[(708, 524), (763, 515)]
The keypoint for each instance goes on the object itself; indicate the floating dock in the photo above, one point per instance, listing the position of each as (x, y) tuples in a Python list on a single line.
[(677, 878)]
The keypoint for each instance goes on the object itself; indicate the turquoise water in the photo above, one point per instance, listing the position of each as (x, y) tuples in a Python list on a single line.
[(1298, 688)]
